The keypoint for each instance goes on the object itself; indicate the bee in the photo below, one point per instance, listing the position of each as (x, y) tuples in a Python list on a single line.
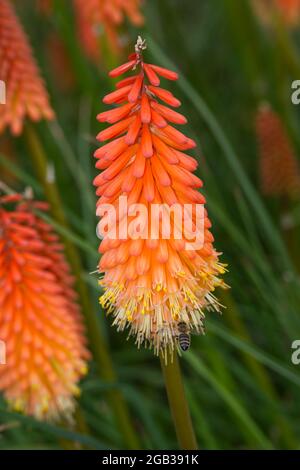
[(179, 333), (184, 337)]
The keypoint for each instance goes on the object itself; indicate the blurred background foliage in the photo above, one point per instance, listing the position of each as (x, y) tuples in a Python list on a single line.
[(241, 384)]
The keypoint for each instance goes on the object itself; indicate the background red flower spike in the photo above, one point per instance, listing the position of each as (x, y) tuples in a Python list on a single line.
[(40, 320), (288, 11), (100, 21), (278, 166), (26, 95)]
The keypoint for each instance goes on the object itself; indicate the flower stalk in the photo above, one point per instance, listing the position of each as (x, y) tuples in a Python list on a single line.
[(178, 403)]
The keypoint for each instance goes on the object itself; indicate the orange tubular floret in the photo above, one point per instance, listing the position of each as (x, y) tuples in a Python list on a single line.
[(151, 284), (122, 69), (169, 74)]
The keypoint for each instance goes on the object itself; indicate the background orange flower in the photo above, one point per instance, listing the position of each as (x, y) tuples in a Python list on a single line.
[(26, 95), (278, 166), (289, 10), (99, 23), (40, 320)]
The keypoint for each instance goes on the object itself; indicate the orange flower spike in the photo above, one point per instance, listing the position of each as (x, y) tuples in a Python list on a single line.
[(152, 282), (26, 95), (289, 10), (40, 320), (278, 166), (45, 6), (104, 18)]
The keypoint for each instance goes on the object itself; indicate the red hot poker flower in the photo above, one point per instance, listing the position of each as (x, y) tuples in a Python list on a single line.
[(152, 285), (289, 10), (103, 18), (40, 320), (278, 166), (44, 6), (25, 90)]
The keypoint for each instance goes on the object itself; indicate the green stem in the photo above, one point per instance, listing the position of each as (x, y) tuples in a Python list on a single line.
[(178, 403), (100, 350)]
